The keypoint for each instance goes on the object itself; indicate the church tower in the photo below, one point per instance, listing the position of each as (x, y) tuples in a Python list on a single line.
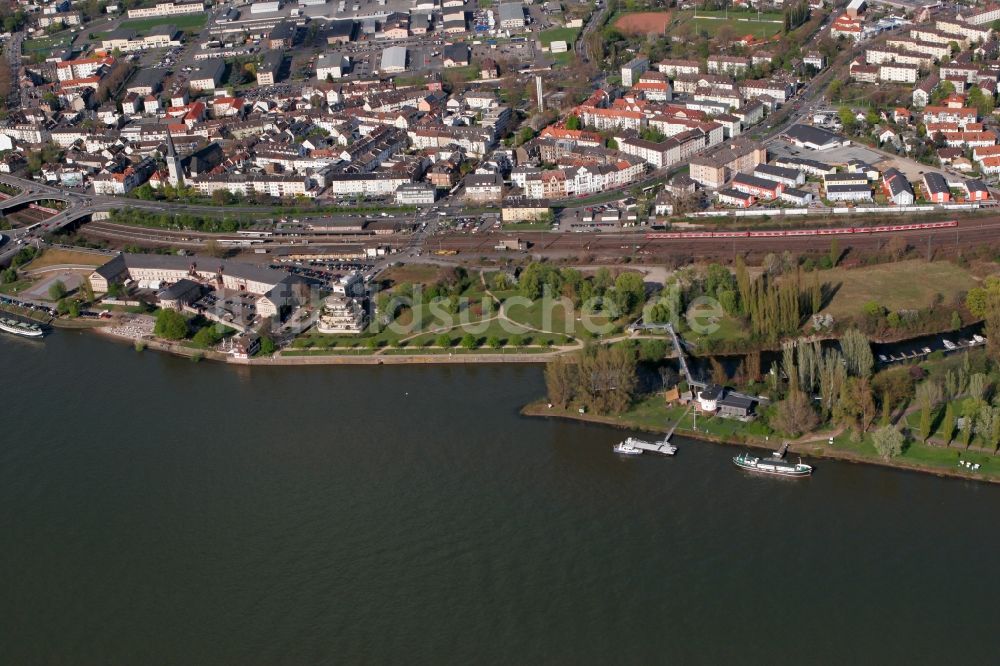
[(174, 171)]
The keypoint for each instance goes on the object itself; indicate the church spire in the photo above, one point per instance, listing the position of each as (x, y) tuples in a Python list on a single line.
[(174, 171)]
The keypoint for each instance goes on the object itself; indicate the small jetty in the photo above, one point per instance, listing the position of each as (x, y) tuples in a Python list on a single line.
[(635, 446), (662, 447)]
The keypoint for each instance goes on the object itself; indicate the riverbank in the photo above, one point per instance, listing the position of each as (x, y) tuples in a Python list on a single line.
[(815, 445)]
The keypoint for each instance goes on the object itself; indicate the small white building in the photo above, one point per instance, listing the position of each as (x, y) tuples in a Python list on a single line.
[(708, 398), (332, 66), (265, 7), (393, 60)]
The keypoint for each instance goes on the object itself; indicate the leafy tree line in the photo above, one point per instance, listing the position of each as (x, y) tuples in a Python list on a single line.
[(144, 218), (796, 15), (620, 295)]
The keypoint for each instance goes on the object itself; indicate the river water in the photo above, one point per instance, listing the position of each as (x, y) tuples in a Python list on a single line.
[(158, 511)]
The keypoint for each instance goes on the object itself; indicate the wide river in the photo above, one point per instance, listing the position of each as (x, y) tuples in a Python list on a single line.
[(159, 511)]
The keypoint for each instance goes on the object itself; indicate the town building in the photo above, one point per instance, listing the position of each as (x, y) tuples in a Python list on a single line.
[(848, 193), (167, 9), (936, 188), (511, 15), (332, 66), (415, 194), (269, 71), (896, 73), (483, 186), (341, 315), (897, 188), (207, 76), (717, 165), (796, 197), (814, 138), (734, 65), (632, 70), (760, 188), (786, 176), (393, 60), (276, 290), (733, 197)]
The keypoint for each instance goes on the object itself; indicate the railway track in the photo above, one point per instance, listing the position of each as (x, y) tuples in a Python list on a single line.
[(196, 239), (971, 232), (968, 233)]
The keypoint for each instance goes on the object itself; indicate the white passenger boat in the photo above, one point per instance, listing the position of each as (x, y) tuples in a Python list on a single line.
[(21, 328)]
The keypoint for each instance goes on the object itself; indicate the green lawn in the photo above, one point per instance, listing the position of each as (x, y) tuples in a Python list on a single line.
[(922, 454), (897, 286), (567, 35), (414, 273), (15, 287), (538, 316), (327, 352), (416, 351), (494, 329), (729, 330), (52, 43), (527, 226), (912, 421), (182, 22), (564, 59), (741, 23), (461, 74)]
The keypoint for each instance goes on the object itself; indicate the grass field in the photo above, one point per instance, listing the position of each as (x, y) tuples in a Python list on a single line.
[(730, 329), (15, 287), (742, 23), (567, 35), (182, 22), (52, 43), (461, 74), (58, 257), (564, 59), (897, 286), (414, 273)]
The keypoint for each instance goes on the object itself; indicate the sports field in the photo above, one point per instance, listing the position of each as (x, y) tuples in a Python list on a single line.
[(761, 26), (181, 22)]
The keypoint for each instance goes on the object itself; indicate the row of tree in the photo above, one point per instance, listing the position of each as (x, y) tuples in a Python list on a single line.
[(144, 218)]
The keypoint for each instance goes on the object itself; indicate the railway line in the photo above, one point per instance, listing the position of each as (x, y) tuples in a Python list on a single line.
[(197, 239), (723, 243), (965, 233)]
